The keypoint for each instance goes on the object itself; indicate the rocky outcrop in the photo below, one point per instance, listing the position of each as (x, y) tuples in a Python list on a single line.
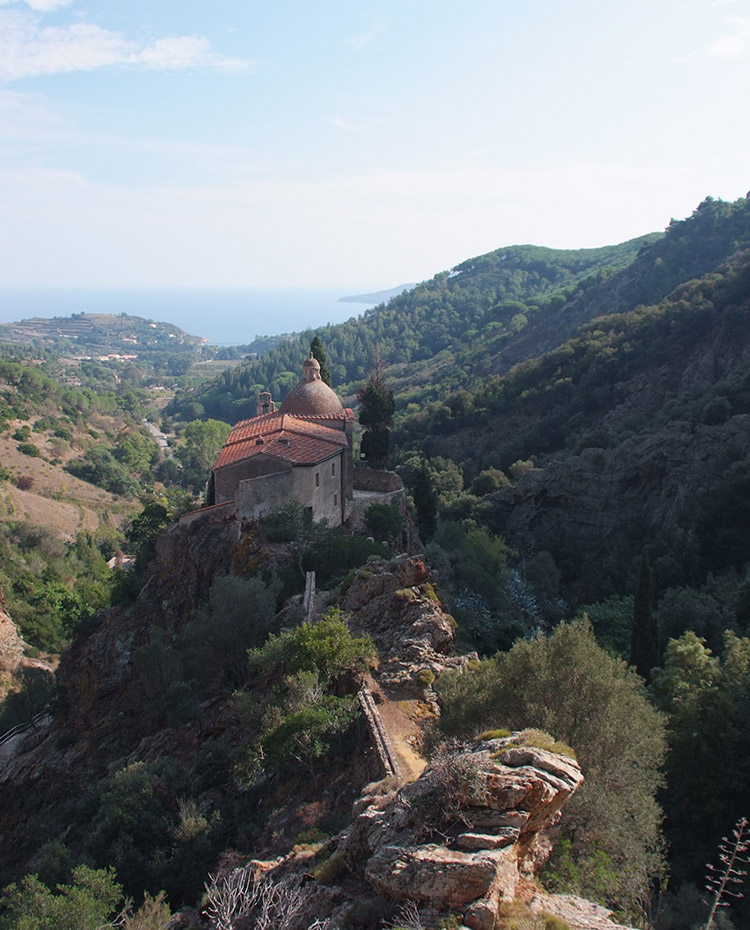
[(11, 645), (462, 835), (98, 669), (13, 652), (396, 604), (577, 913)]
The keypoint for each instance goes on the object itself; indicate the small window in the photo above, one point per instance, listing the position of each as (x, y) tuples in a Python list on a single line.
[(317, 479), (335, 499), (333, 468)]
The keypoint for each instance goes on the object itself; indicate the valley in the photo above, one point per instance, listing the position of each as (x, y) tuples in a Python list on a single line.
[(567, 568)]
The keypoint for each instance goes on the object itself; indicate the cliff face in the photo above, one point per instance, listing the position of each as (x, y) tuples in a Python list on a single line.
[(108, 716), (112, 712), (97, 673)]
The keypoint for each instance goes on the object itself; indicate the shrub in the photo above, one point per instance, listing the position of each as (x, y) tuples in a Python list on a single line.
[(326, 647), (425, 677), (36, 690), (454, 780), (494, 734), (331, 870), (518, 469), (290, 523), (489, 481), (552, 922), (541, 740), (24, 482), (153, 914), (237, 616), (85, 904), (306, 735), (384, 521), (430, 593), (98, 466), (569, 686), (28, 448)]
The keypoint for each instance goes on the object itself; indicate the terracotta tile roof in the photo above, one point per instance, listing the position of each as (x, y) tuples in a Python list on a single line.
[(282, 436)]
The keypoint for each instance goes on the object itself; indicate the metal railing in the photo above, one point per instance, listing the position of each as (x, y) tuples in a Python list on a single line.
[(23, 727)]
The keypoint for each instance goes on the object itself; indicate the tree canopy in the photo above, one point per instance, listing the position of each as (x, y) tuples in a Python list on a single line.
[(567, 685)]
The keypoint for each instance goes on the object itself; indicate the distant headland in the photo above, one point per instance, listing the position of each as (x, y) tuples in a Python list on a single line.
[(378, 297)]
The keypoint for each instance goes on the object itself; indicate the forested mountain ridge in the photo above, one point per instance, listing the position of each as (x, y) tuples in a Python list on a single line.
[(599, 408), (483, 302), (487, 314)]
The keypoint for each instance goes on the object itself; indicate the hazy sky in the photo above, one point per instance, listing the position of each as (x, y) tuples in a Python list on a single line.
[(354, 144)]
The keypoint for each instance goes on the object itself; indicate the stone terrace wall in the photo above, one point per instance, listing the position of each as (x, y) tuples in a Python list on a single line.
[(370, 479)]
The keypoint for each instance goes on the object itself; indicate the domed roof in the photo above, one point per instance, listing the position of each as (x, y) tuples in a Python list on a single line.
[(311, 396)]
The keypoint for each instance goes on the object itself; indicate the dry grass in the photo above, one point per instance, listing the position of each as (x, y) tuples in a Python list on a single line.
[(56, 499)]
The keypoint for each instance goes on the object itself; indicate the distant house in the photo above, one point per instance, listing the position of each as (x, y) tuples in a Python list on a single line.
[(302, 452)]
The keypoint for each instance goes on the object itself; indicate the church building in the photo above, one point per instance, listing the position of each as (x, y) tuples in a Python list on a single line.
[(302, 452)]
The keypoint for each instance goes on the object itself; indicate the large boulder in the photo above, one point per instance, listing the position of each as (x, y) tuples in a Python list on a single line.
[(463, 835)]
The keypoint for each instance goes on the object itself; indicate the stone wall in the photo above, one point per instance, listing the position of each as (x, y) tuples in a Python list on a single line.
[(370, 479), (228, 478), (214, 512), (260, 495), (319, 487)]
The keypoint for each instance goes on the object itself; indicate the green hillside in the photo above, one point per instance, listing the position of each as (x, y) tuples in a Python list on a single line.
[(573, 429), (484, 302)]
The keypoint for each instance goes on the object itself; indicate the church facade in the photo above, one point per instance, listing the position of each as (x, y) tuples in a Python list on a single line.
[(302, 452)]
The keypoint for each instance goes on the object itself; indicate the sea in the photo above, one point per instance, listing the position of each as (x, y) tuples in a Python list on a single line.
[(224, 316)]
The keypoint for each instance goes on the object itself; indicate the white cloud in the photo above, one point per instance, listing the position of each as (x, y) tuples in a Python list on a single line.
[(46, 6), (28, 49), (43, 6), (736, 43), (178, 52)]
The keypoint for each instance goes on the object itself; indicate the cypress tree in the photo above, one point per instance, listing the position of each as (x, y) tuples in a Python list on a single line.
[(316, 347), (376, 408), (426, 501), (644, 645)]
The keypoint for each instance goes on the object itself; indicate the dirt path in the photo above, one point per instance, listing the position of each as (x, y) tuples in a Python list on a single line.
[(403, 720)]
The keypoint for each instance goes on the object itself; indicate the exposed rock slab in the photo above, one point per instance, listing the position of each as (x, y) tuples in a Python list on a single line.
[(578, 913), (488, 804)]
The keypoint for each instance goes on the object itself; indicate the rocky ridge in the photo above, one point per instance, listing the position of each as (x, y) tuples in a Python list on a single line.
[(462, 842), (462, 835)]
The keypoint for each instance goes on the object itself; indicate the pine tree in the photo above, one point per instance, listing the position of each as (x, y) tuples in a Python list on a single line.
[(316, 347), (644, 645)]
